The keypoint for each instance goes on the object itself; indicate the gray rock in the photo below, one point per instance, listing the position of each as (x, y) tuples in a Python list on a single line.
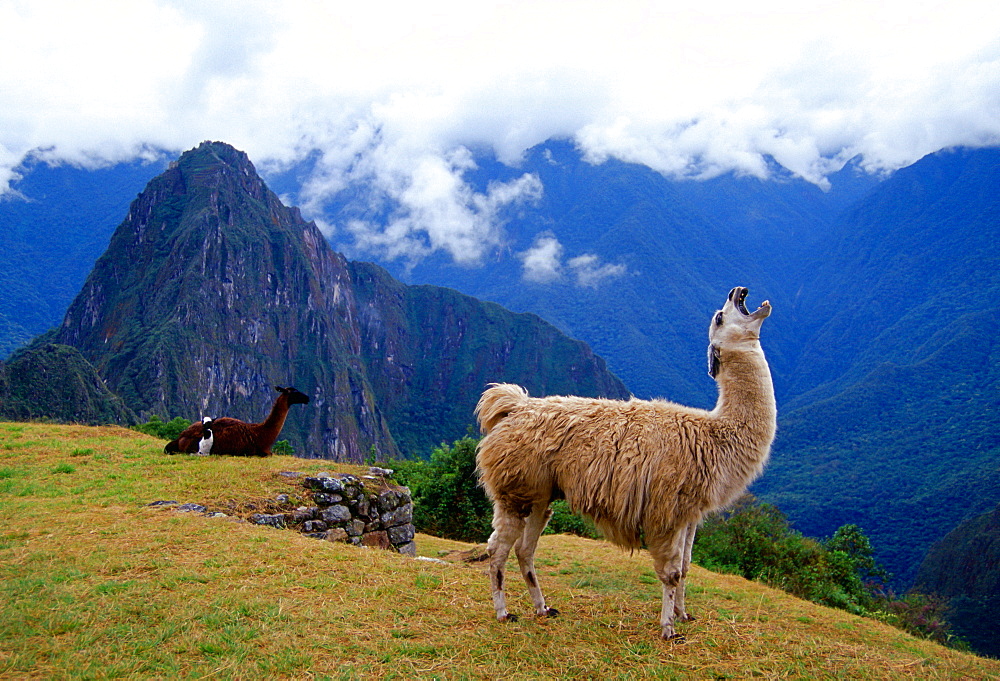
[(327, 498), (364, 507), (325, 484), (304, 513), (163, 502), (276, 520), (314, 526), (399, 516), (409, 549), (336, 514), (401, 534), (389, 500), (355, 528), (192, 508)]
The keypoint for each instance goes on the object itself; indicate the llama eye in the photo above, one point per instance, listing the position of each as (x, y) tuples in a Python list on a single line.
[(718, 318)]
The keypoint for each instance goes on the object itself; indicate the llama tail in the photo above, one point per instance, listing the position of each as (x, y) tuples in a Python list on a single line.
[(499, 400), (172, 447)]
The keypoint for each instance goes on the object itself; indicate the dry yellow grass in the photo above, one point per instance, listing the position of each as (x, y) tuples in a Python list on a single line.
[(95, 584)]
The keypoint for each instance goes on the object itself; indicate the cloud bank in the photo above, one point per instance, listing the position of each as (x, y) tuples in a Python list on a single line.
[(396, 95)]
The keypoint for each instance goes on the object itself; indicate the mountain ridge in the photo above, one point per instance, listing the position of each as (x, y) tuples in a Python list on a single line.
[(211, 291)]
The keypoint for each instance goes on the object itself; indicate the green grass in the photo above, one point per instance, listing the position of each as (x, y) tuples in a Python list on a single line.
[(95, 584)]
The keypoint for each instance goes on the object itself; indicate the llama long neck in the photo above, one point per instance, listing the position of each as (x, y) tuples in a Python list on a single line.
[(275, 421), (746, 393)]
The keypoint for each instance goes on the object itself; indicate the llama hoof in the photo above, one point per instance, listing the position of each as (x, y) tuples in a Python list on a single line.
[(551, 612), (509, 617), (675, 638), (686, 617)]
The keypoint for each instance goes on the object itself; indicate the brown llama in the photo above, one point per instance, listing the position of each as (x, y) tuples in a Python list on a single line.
[(645, 471), (234, 437)]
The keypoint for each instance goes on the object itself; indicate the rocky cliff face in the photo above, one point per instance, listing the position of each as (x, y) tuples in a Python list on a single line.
[(212, 291)]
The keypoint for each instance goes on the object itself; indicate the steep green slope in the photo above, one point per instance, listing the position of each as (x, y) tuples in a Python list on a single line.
[(430, 352), (51, 232), (55, 382), (212, 291), (901, 436), (964, 567)]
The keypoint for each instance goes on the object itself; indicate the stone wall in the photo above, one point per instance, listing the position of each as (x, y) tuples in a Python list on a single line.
[(370, 510)]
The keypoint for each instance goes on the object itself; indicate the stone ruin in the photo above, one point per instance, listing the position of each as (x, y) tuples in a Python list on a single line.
[(369, 510)]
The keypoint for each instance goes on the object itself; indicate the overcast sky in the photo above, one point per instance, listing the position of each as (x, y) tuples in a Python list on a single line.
[(396, 93)]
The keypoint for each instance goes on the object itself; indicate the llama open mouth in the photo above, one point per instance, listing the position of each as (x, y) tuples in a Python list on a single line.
[(739, 300)]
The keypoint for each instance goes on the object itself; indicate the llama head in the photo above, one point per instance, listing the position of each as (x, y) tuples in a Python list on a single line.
[(293, 395), (734, 327)]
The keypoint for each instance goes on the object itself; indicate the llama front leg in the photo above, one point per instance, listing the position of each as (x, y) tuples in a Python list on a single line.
[(525, 551), (507, 529), (668, 560), (680, 614)]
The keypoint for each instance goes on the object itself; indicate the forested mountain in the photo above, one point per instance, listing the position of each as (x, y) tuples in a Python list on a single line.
[(51, 232), (881, 343), (212, 291), (884, 361), (964, 567), (900, 433)]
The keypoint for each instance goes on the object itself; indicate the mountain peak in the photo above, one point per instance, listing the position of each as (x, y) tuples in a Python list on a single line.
[(212, 291)]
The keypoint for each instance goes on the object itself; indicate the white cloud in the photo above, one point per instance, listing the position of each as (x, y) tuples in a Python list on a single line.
[(543, 264), (395, 93), (543, 261), (590, 272)]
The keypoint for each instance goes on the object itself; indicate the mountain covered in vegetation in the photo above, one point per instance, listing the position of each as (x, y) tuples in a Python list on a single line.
[(881, 344), (884, 360), (964, 568), (212, 291), (55, 382)]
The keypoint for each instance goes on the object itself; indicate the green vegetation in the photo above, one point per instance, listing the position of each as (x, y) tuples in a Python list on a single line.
[(754, 539), (168, 430), (55, 382), (96, 584), (447, 499)]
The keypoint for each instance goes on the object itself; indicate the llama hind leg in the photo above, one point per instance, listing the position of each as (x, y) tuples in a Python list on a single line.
[(507, 529), (680, 613), (525, 551)]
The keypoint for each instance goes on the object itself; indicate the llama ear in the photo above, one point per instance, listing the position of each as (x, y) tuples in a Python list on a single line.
[(279, 388), (713, 360)]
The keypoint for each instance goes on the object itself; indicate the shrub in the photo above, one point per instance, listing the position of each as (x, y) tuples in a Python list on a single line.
[(448, 501), (282, 448), (754, 539), (166, 431), (920, 615)]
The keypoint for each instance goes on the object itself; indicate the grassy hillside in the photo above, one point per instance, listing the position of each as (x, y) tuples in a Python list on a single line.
[(96, 584)]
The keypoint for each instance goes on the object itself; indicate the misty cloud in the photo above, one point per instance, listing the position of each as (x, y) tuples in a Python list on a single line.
[(589, 271), (543, 261), (393, 100), (543, 264)]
